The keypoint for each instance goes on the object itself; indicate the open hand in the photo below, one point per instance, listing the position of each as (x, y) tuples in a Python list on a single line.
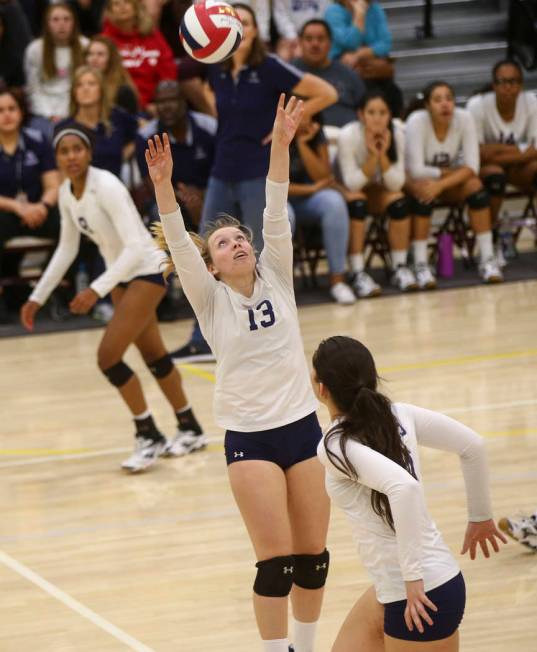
[(27, 314), (480, 533), (287, 120), (416, 601), (158, 157)]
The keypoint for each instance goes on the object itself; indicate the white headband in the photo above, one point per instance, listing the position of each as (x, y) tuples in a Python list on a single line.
[(70, 131)]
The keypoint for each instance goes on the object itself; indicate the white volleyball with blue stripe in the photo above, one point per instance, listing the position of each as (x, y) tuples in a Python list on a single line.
[(210, 31)]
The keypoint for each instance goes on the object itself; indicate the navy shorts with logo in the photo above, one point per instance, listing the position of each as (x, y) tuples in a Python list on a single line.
[(158, 279), (285, 446), (449, 598)]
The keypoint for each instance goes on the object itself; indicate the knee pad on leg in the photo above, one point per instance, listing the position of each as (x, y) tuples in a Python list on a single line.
[(495, 184), (479, 199), (398, 209), (161, 367), (311, 570), (357, 209), (420, 208), (118, 374), (274, 577)]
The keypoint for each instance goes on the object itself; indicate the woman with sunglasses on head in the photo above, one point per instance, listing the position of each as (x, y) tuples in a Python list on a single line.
[(370, 452), (95, 203), (263, 398)]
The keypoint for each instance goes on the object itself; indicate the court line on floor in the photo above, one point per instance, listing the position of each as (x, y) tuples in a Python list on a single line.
[(70, 602)]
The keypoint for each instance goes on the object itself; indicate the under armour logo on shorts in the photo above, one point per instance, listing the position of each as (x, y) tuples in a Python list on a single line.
[(239, 454), (287, 569), (319, 567)]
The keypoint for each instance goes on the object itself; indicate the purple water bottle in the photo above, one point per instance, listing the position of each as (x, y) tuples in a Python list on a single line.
[(445, 266)]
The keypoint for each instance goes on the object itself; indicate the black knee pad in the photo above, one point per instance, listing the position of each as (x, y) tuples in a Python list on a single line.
[(311, 570), (161, 367), (495, 184), (357, 209), (118, 374), (419, 208), (274, 577), (398, 209), (479, 199)]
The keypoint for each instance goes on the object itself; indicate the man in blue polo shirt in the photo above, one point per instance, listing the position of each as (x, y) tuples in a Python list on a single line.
[(192, 137)]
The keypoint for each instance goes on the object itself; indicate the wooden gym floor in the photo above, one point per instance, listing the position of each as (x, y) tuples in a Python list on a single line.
[(95, 560)]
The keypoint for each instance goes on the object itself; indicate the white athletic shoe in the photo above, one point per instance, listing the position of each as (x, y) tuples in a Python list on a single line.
[(185, 442), (342, 294), (424, 276), (523, 530), (490, 271), (365, 286), (404, 279), (145, 453)]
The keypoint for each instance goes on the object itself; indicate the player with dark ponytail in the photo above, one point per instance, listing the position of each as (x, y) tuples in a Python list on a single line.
[(370, 451)]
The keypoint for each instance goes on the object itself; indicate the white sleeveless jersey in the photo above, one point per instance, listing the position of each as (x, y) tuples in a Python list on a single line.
[(491, 128), (416, 549), (262, 379), (352, 154), (107, 215), (425, 155)]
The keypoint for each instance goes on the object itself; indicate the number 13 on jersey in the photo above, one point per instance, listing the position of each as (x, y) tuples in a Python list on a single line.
[(261, 315)]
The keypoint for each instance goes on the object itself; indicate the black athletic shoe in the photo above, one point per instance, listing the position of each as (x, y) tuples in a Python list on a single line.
[(193, 353)]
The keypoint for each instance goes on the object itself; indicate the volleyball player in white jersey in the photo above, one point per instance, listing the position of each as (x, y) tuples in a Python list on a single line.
[(94, 202), (370, 451), (371, 161), (506, 121), (263, 396), (442, 162)]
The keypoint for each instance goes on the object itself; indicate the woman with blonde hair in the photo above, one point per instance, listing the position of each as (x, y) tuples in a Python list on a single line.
[(113, 129), (102, 54), (143, 49), (49, 61)]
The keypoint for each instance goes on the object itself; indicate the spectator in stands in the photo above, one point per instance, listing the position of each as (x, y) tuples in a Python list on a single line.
[(371, 159), (361, 39), (113, 130), (144, 51), (14, 37), (28, 180), (289, 18), (192, 137), (103, 55), (50, 60), (312, 201), (89, 15), (315, 44), (506, 121), (246, 89), (442, 163)]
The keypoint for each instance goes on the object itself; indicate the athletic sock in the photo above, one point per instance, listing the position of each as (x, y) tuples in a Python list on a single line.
[(146, 427), (187, 421), (486, 248), (399, 258), (419, 248), (276, 645), (304, 636), (356, 262)]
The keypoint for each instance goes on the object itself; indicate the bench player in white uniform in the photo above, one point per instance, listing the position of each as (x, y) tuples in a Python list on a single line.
[(94, 202), (263, 396), (371, 155), (506, 121), (442, 162), (370, 451)]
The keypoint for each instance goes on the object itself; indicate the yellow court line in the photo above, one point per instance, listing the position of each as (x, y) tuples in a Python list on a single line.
[(514, 432), (196, 371)]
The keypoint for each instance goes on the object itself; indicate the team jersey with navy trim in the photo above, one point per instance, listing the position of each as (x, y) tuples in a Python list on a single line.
[(262, 379), (492, 128), (425, 155), (416, 549), (106, 214)]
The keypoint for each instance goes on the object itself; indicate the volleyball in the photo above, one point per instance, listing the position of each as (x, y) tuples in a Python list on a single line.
[(210, 31)]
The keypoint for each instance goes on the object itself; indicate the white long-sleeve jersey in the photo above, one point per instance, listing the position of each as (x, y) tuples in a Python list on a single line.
[(416, 549), (352, 154), (425, 155), (492, 128), (262, 379), (107, 215)]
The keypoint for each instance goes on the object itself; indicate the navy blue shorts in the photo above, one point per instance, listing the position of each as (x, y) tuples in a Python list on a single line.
[(158, 279), (449, 598), (285, 446)]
